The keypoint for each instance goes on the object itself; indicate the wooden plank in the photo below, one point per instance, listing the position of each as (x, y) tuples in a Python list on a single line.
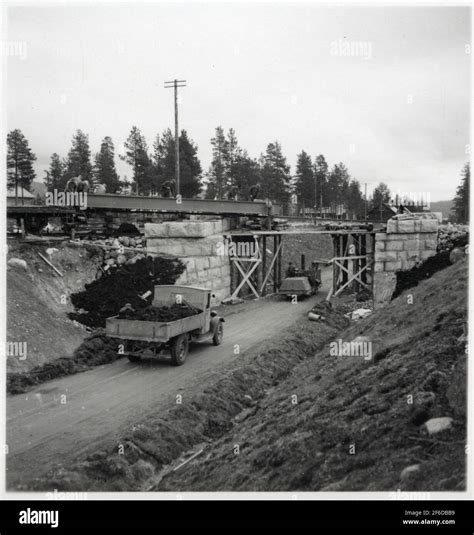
[(275, 268), (355, 276), (275, 256), (279, 261), (50, 264), (264, 265), (246, 278)]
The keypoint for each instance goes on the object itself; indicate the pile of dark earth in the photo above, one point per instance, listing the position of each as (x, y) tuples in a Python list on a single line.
[(409, 279), (127, 229), (162, 314), (104, 297)]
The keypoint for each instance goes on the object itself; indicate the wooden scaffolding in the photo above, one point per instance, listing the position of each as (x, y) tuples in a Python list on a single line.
[(260, 272)]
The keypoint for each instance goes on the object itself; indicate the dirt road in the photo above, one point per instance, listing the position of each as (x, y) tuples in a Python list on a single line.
[(61, 419)]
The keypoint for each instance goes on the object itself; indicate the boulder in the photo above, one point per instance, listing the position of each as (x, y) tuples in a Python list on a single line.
[(456, 255), (18, 263), (409, 471), (438, 425)]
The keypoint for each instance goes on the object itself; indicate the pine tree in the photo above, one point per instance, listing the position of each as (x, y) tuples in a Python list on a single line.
[(190, 170), (380, 196), (275, 175), (338, 186), (20, 158), (217, 176), (136, 155), (246, 173), (461, 200), (79, 158), (104, 171), (232, 154), (57, 168), (164, 156), (355, 201), (305, 184), (321, 176)]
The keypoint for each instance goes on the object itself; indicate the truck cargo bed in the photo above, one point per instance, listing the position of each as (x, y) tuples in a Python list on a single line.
[(151, 331)]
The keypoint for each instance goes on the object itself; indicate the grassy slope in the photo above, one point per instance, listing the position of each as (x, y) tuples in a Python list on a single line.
[(347, 402)]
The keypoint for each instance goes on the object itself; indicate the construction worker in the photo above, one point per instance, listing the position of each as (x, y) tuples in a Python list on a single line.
[(254, 192), (232, 193), (83, 186), (167, 188), (100, 189), (77, 183), (72, 183)]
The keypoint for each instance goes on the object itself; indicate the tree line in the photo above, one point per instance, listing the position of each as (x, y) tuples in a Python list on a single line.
[(231, 174), (314, 185)]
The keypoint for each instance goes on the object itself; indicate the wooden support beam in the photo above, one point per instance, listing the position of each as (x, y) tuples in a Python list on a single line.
[(270, 267), (246, 278), (356, 261), (345, 248), (259, 273), (363, 252), (263, 288), (275, 267), (354, 276), (279, 261)]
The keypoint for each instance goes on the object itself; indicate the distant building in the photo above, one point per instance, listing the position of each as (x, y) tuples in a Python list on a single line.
[(383, 213), (338, 211), (24, 197)]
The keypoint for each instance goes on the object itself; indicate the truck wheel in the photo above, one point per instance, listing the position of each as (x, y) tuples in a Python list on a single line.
[(179, 349), (219, 334), (134, 358)]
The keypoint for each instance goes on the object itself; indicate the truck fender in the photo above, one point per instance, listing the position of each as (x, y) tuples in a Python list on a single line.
[(215, 322)]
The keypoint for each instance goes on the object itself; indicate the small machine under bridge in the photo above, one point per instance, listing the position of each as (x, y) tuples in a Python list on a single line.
[(259, 271)]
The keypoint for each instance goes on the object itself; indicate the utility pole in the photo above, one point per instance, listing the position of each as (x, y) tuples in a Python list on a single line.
[(321, 196), (365, 203), (315, 194), (169, 85)]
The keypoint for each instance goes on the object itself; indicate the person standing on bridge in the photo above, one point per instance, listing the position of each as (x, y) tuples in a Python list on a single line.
[(232, 193), (254, 192), (168, 188)]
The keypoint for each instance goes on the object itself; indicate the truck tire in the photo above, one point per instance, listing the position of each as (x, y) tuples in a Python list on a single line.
[(179, 349), (218, 334), (134, 358)]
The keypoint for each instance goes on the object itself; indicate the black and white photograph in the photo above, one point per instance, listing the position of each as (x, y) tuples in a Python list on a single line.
[(236, 243)]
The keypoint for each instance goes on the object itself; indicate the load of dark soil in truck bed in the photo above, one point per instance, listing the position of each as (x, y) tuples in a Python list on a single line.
[(162, 314), (104, 297)]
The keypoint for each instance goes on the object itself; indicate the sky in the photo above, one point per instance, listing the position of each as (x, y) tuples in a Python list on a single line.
[(386, 90)]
